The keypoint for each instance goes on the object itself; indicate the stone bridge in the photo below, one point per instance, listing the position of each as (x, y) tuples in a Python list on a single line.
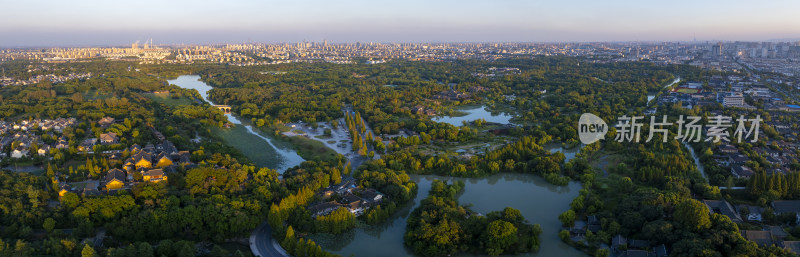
[(224, 108)]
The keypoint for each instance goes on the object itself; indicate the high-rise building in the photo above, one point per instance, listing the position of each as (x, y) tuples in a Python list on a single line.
[(717, 49), (734, 99)]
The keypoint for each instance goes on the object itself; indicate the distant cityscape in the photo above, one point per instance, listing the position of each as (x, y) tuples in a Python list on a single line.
[(782, 58)]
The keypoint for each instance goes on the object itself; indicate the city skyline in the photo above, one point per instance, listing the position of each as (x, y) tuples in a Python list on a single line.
[(96, 23)]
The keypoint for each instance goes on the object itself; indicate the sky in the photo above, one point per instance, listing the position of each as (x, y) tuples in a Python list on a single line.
[(108, 22)]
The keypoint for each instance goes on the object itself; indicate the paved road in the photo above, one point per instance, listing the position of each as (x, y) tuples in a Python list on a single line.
[(262, 244)]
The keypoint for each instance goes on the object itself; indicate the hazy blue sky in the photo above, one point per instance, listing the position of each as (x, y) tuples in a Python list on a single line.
[(95, 22)]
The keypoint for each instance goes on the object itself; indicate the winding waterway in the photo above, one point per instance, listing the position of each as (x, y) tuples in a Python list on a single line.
[(259, 148), (697, 163), (539, 201), (696, 160), (475, 113), (651, 96)]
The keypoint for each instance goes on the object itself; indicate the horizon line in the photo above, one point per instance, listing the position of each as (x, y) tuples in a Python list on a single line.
[(784, 40)]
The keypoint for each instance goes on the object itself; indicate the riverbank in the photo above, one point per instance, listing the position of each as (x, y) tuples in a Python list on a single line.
[(307, 148), (243, 136)]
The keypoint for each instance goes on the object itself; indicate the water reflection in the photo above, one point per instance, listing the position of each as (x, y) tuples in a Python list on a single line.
[(697, 163), (651, 96), (569, 154), (540, 202), (474, 114)]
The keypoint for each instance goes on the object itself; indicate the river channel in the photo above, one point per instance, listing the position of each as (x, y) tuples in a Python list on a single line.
[(539, 201), (258, 147), (653, 95)]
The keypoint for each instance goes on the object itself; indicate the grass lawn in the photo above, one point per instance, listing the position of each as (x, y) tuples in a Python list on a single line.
[(252, 146), (687, 90), (279, 128), (311, 149), (307, 148), (264, 155)]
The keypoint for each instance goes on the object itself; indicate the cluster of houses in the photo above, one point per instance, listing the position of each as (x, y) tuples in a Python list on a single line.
[(728, 155), (151, 163), (768, 235), (476, 89), (624, 247), (39, 78), (105, 139), (451, 95), (421, 110), (347, 195), (784, 129), (758, 91), (19, 139), (497, 71), (728, 91), (109, 138), (620, 246)]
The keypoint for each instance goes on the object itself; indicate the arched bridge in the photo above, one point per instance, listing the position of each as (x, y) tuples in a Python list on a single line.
[(224, 108)]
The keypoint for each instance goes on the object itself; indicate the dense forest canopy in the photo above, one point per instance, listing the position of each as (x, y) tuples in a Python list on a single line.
[(646, 190)]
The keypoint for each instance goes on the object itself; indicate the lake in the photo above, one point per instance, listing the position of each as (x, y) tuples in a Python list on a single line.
[(539, 201), (474, 114), (261, 149), (569, 154)]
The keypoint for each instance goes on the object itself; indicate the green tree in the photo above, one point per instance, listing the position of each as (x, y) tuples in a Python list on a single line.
[(602, 252), (186, 250), (49, 224), (166, 248), (501, 235), (693, 214), (567, 218), (145, 250), (564, 235), (88, 251)]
